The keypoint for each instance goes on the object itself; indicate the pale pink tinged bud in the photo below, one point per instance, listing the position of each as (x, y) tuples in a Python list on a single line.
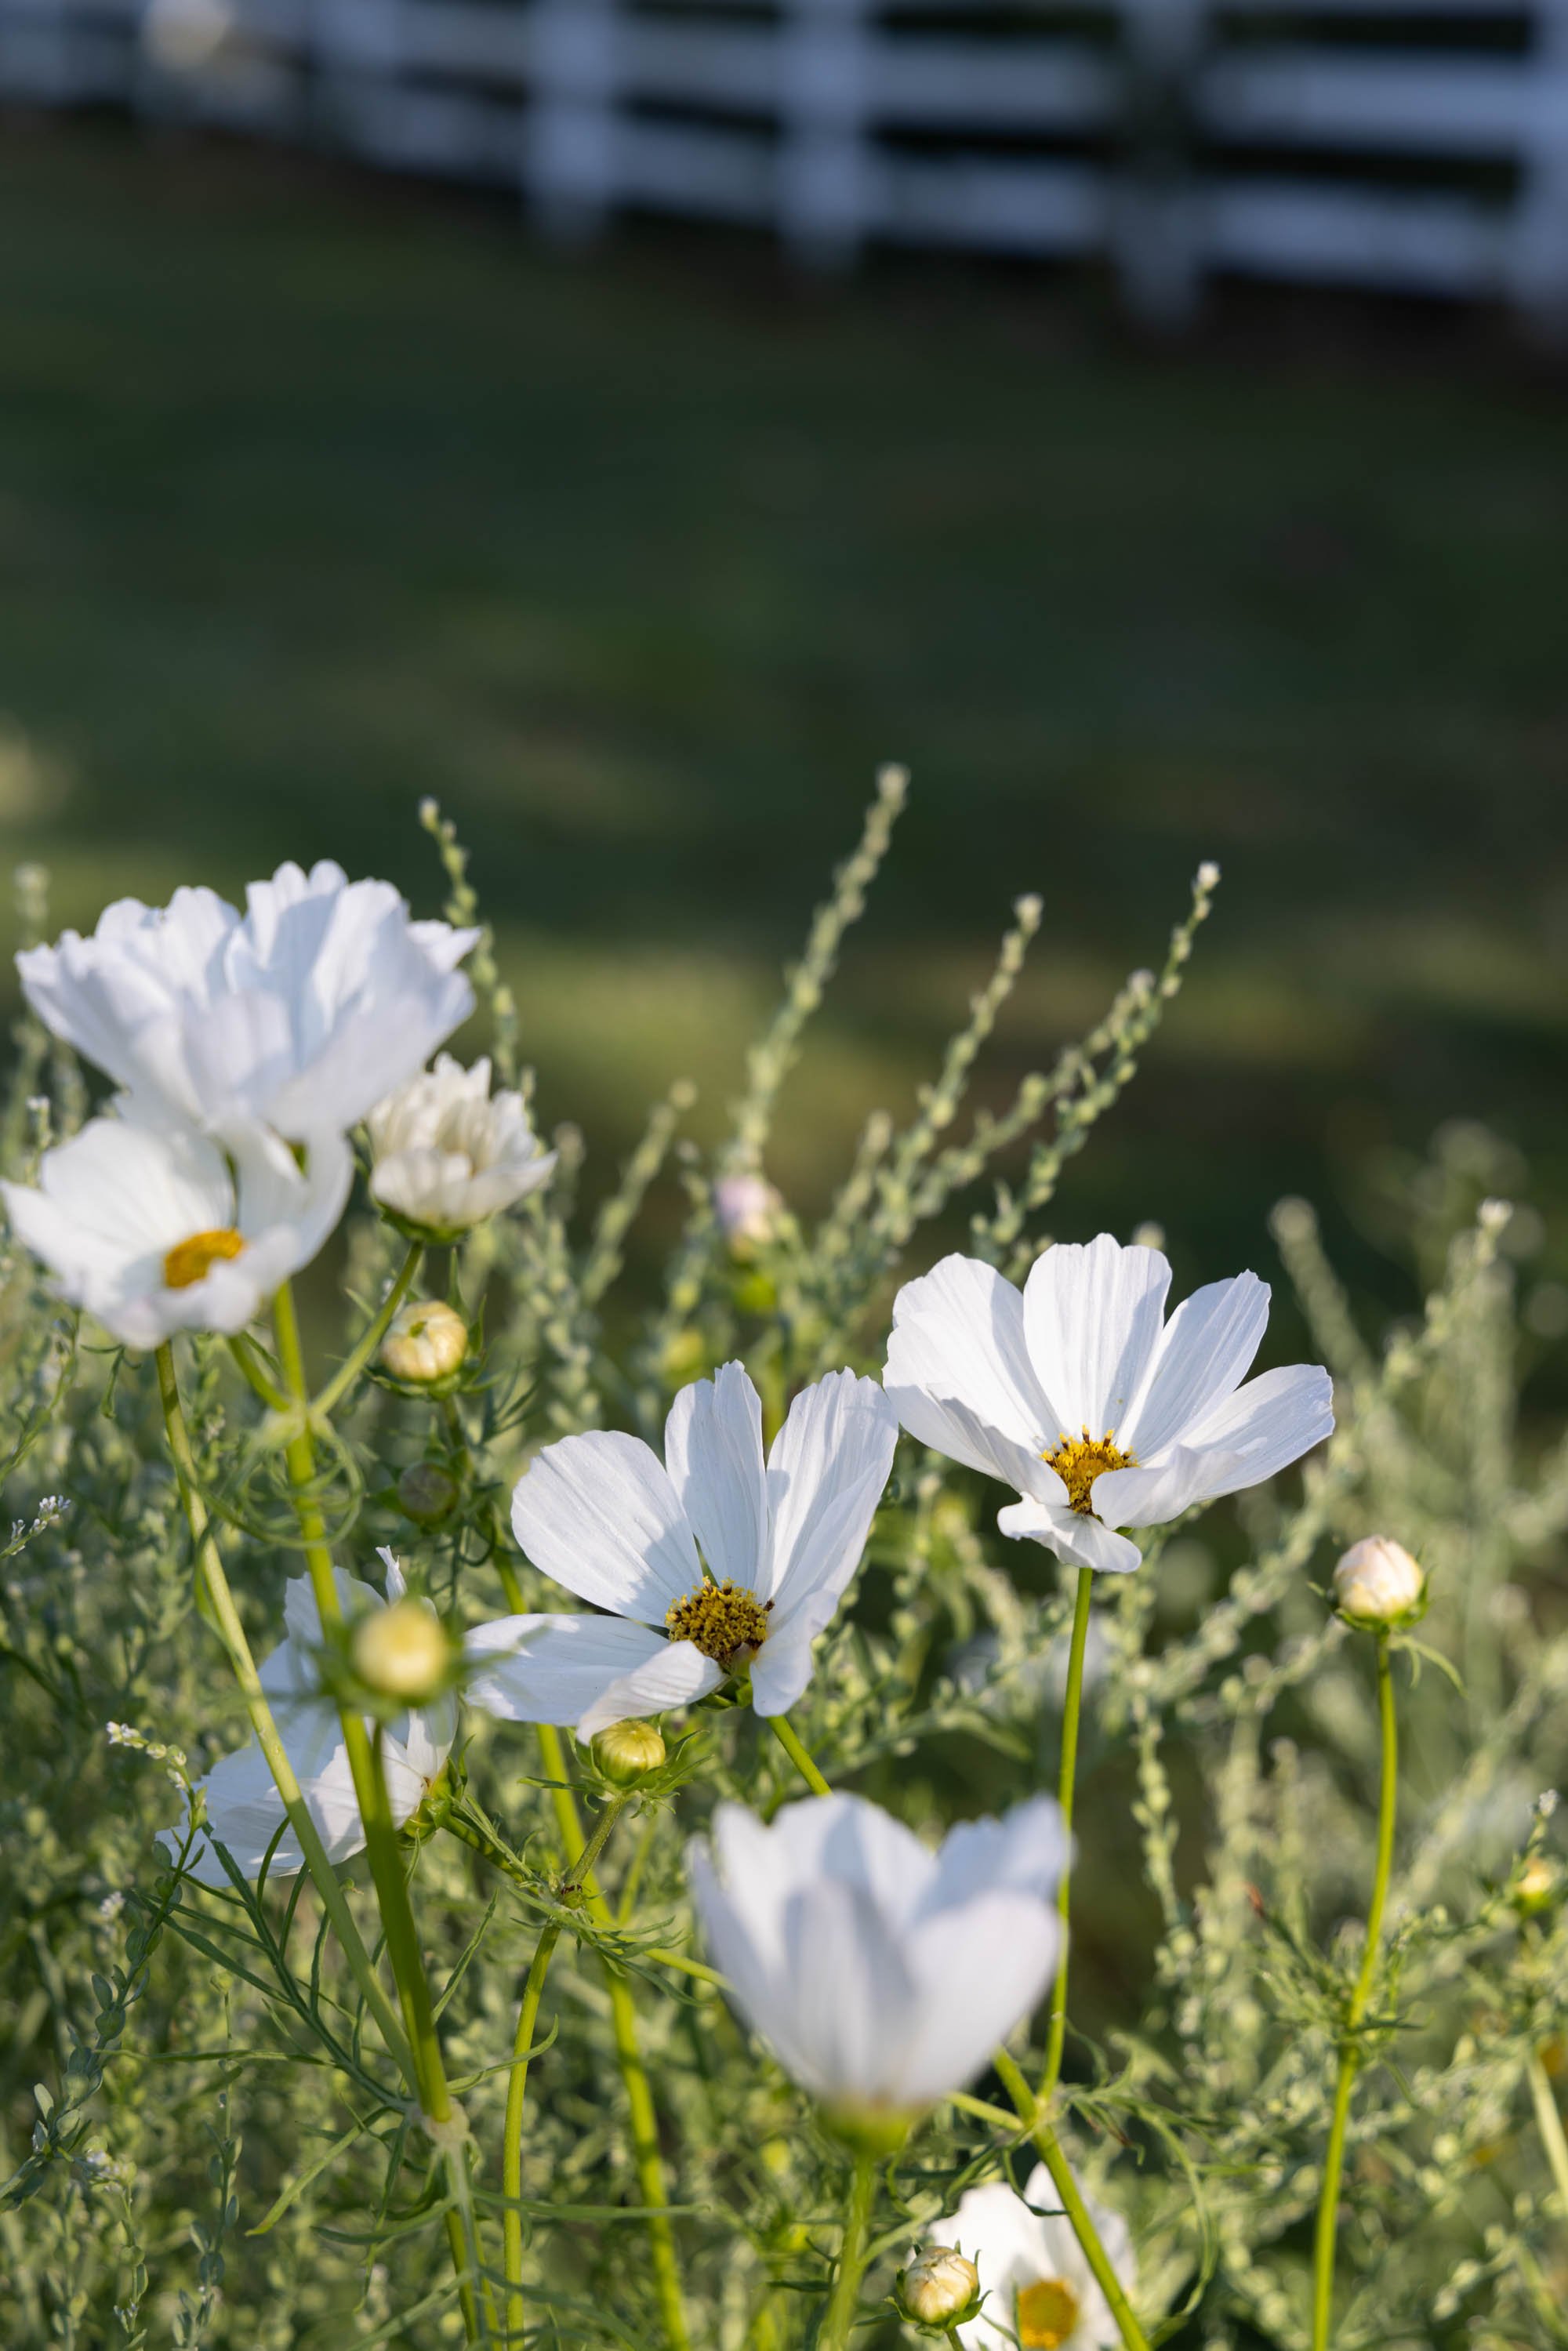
[(940, 2287), (427, 1341), (1378, 1583)]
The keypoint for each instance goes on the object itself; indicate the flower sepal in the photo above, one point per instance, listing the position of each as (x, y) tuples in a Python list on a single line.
[(868, 2129)]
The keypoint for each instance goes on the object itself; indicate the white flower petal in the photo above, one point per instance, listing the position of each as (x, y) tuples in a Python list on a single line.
[(851, 2008), (826, 1474), (1024, 1852), (1003, 1950), (1092, 1317), (598, 1515), (713, 1451), (782, 1668), (1203, 1352), (958, 1335), (1260, 1429), (676, 1674), (553, 1668), (1080, 1542)]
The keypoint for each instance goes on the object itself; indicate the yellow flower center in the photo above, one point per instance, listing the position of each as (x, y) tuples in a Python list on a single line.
[(1079, 1460), (192, 1260), (725, 1622), (1046, 2314)]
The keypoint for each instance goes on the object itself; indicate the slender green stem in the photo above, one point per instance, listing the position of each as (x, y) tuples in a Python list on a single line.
[(224, 1617), (1033, 2115), (370, 1338), (469, 1834), (788, 1740), (512, 2142), (839, 2323), (1549, 2122), (1066, 1778), (1350, 2040), (441, 2117), (244, 1353), (623, 2018)]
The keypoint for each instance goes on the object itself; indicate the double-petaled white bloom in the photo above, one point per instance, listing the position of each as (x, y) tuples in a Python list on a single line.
[(447, 1153), (156, 1230), (245, 1810), (881, 1974), (1040, 2290), (303, 1012), (1081, 1397), (603, 1515)]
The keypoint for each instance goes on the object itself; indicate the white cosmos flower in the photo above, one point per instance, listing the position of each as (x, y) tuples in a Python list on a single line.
[(303, 1012), (881, 1974), (1081, 1397), (245, 1810), (603, 1515), (447, 1154), (156, 1230), (1039, 2289)]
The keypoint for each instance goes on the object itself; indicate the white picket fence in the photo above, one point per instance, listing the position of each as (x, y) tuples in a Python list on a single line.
[(1414, 145)]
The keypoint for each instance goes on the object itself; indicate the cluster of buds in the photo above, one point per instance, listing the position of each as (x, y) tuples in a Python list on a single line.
[(1378, 1587)]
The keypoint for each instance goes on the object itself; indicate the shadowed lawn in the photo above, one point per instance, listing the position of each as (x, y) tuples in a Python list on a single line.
[(318, 495)]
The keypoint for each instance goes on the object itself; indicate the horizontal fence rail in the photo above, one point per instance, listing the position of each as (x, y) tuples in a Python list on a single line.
[(1412, 146)]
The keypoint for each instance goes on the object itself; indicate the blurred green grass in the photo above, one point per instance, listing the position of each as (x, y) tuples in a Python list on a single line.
[(319, 495)]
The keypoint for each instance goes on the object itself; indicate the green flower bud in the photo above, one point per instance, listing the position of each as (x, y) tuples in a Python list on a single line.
[(426, 1340), (1536, 1886), (402, 1652), (941, 2287), (627, 1751), (425, 1493)]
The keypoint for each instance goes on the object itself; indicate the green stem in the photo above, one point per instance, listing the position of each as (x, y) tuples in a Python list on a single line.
[(512, 2141), (469, 1834), (224, 1616), (1033, 2116), (255, 1373), (1549, 2122), (1350, 2042), (441, 2117), (623, 2018), (788, 1740), (1066, 1778), (839, 2323), (375, 1331)]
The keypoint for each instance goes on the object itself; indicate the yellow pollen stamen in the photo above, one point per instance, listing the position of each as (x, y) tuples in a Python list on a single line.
[(193, 1260), (1047, 2315), (1079, 1460), (725, 1622)]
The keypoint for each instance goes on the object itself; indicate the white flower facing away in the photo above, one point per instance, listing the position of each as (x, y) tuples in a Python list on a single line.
[(881, 1974), (156, 1230), (1081, 1397), (447, 1153), (303, 1012), (245, 1810), (1040, 2290), (603, 1515)]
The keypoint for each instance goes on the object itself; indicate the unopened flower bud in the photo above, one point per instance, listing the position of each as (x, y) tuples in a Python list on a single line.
[(402, 1652), (1536, 1886), (425, 1493), (1378, 1586), (426, 1341), (748, 1209), (627, 1751), (941, 2287)]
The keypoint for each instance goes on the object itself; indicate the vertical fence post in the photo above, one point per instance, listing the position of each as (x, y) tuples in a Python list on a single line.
[(356, 57), (1157, 229), (1538, 258), (824, 165), (568, 160)]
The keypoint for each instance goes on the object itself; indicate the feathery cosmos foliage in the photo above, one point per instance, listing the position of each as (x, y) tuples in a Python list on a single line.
[(395, 1954)]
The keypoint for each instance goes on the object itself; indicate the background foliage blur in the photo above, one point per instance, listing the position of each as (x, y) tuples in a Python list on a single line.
[(318, 495)]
